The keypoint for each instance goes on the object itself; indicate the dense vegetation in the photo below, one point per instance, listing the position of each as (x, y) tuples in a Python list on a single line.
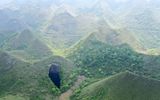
[(95, 58), (36, 33), (19, 78)]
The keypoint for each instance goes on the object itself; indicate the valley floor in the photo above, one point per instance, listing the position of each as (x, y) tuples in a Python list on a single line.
[(66, 95)]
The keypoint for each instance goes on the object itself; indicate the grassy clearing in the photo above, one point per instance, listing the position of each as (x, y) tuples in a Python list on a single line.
[(123, 86)]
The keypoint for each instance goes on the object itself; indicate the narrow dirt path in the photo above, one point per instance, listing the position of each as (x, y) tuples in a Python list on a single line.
[(66, 95)]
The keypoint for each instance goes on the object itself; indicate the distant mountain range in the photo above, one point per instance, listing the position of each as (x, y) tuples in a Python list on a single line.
[(93, 38), (67, 21)]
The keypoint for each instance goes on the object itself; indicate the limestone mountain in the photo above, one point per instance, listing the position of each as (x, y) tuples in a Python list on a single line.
[(26, 46)]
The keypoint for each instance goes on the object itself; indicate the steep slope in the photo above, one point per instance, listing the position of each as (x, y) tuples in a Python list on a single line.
[(8, 71), (68, 19), (63, 19), (117, 36), (26, 46), (10, 22), (62, 27), (143, 25), (98, 59), (141, 19), (66, 27), (6, 62), (94, 55), (20, 79), (123, 86)]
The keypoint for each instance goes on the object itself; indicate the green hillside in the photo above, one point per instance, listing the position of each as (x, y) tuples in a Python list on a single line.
[(123, 86), (117, 36), (93, 41), (99, 59), (6, 62), (11, 69), (92, 54), (27, 46), (19, 79), (64, 29)]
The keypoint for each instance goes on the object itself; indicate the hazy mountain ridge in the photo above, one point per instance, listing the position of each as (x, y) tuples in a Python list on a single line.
[(131, 19), (96, 39), (26, 46)]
